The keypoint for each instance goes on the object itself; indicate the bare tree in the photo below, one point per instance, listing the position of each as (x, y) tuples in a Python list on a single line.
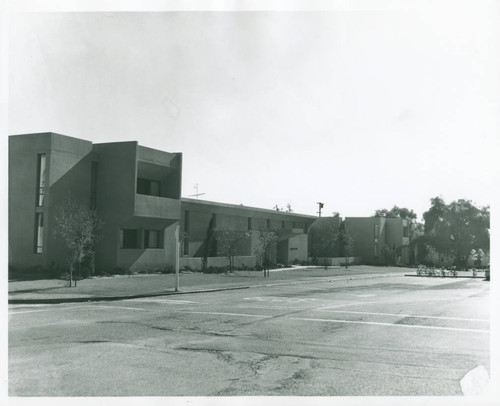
[(77, 226), (266, 249), (227, 242)]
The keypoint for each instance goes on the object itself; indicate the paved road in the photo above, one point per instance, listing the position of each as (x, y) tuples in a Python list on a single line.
[(374, 336)]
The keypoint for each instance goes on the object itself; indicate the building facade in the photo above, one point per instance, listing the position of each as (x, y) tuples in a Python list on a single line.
[(379, 240), (136, 192)]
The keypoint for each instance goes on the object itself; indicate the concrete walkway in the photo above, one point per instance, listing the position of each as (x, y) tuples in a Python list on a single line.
[(135, 286)]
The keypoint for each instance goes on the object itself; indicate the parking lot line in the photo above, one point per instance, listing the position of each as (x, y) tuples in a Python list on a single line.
[(403, 315), (231, 314), (391, 324)]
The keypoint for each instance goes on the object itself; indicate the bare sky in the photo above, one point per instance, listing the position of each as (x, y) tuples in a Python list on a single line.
[(360, 109)]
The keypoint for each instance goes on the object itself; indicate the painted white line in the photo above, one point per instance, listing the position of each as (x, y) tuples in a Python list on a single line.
[(164, 301), (231, 314), (475, 382), (404, 315), (384, 301), (392, 325), (277, 307), (76, 307)]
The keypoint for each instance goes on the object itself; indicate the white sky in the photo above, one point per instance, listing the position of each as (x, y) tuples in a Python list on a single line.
[(360, 108)]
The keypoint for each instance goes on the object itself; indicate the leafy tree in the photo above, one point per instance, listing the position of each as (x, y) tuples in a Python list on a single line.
[(209, 244), (387, 254), (457, 228), (77, 226), (227, 242), (323, 238), (397, 212), (266, 249), (345, 243)]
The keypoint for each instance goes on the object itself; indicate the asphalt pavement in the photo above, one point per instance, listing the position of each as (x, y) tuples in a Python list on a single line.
[(366, 335)]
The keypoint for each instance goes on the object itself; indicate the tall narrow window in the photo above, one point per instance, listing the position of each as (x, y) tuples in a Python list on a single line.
[(283, 224), (375, 251), (39, 233), (93, 186), (249, 223), (40, 182)]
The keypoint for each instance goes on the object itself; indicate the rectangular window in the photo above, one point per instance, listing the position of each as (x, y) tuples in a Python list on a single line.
[(375, 231), (249, 223), (148, 187), (40, 181), (39, 233), (405, 231), (93, 186), (152, 239), (283, 224), (129, 238)]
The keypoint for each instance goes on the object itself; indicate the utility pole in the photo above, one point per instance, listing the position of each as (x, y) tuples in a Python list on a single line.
[(177, 254), (320, 205)]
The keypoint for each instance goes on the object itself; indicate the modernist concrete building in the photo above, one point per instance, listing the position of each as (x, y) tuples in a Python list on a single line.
[(136, 191), (291, 230), (370, 234)]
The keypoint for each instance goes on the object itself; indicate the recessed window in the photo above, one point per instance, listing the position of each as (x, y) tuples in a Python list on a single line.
[(148, 187), (93, 186), (129, 238), (152, 239), (40, 181), (249, 223), (39, 233), (405, 231)]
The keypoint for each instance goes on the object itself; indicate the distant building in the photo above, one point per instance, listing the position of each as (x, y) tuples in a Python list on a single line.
[(136, 192), (371, 234)]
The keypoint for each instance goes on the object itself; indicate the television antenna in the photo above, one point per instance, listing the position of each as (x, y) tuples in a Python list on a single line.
[(196, 194)]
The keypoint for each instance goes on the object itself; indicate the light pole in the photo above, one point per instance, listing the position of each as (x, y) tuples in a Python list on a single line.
[(320, 205), (177, 253)]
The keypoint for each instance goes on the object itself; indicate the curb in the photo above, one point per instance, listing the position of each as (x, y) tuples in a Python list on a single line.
[(170, 293)]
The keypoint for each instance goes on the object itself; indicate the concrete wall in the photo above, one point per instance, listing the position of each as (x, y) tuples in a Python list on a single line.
[(362, 229), (23, 150), (67, 175)]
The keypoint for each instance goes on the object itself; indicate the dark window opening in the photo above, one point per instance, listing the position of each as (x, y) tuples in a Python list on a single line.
[(93, 186), (129, 238), (39, 233), (152, 239), (249, 223), (148, 187), (40, 179), (405, 231), (283, 224)]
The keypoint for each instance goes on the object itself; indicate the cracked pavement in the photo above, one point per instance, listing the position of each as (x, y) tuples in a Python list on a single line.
[(396, 336)]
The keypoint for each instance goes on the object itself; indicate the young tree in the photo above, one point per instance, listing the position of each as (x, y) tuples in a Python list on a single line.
[(323, 238), (266, 249), (345, 242), (227, 242), (77, 226), (209, 244)]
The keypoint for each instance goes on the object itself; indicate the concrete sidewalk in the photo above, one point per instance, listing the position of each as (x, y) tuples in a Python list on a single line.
[(135, 286)]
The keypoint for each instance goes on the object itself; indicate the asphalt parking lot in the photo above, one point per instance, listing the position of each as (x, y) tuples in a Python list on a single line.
[(361, 337)]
